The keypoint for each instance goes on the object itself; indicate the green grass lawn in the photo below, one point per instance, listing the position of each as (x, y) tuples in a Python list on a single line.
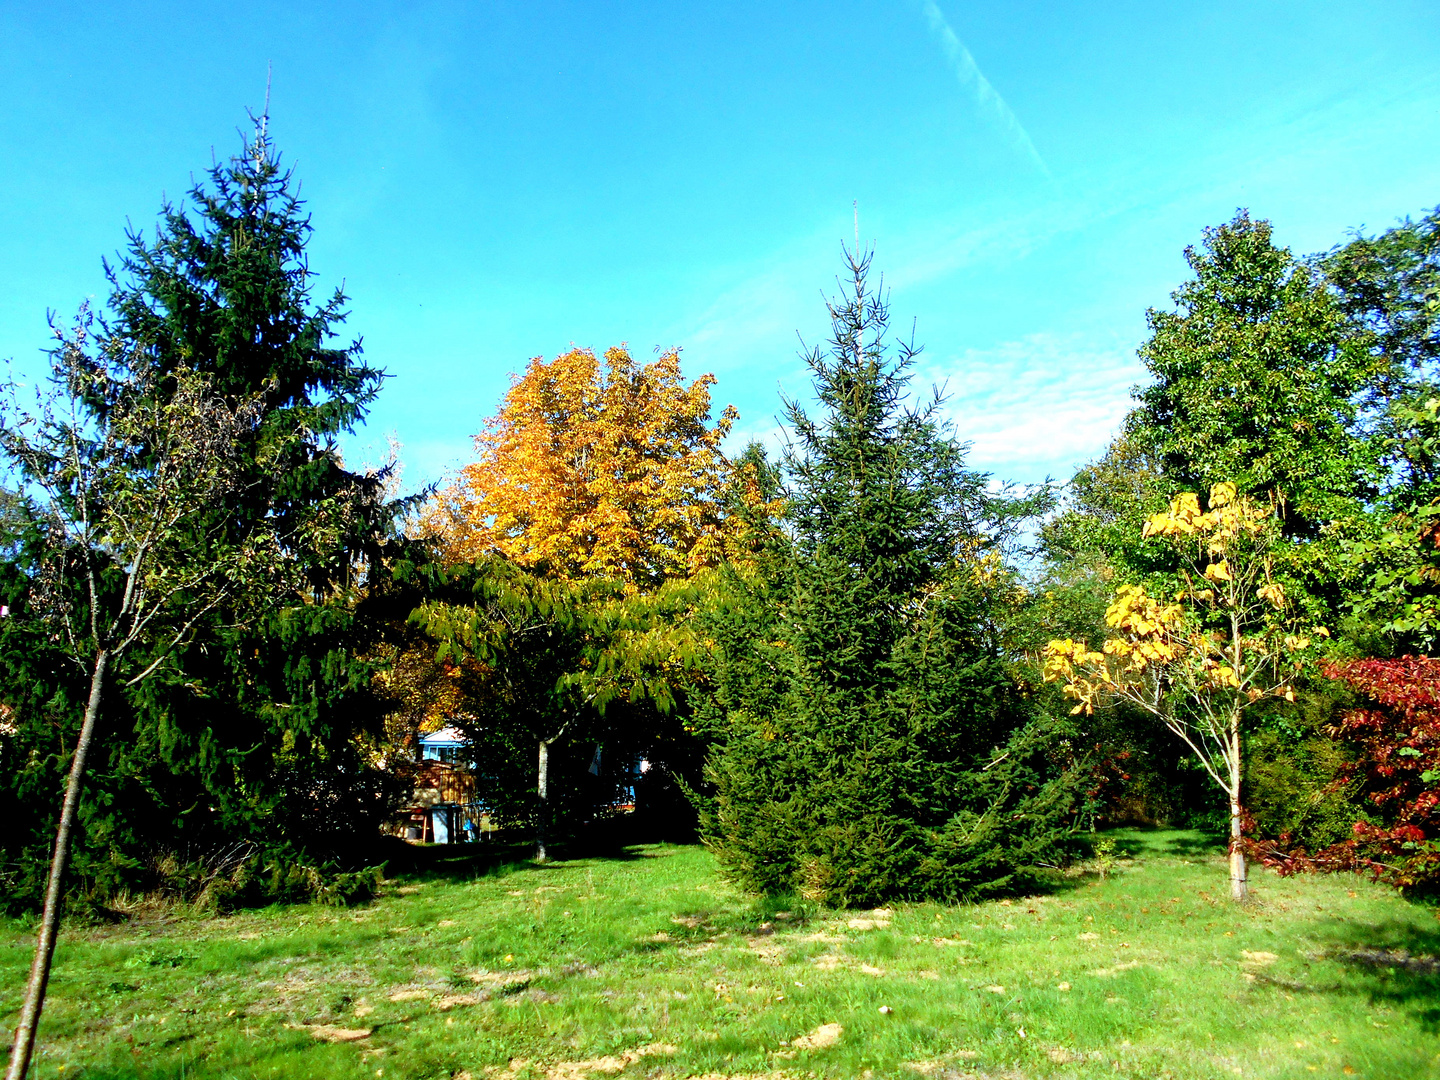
[(650, 965)]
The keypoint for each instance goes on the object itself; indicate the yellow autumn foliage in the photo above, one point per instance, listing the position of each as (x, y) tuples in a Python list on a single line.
[(592, 469), (1154, 642)]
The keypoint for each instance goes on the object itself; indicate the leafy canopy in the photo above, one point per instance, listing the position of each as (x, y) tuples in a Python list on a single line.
[(1255, 382), (607, 471)]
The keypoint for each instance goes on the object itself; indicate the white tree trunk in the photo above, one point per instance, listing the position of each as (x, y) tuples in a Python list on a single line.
[(542, 789), (1239, 885)]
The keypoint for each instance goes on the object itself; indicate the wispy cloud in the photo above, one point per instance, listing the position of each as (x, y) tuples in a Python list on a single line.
[(1050, 393), (1038, 405), (987, 98)]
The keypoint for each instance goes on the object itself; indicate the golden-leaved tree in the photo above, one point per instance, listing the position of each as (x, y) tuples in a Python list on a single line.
[(594, 470), (1200, 662), (575, 545)]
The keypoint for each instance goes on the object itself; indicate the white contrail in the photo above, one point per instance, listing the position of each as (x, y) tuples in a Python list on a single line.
[(986, 96)]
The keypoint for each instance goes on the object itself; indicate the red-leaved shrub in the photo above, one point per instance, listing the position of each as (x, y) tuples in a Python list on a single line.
[(1397, 737)]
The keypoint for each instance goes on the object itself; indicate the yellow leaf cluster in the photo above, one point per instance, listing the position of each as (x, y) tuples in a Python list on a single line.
[(1134, 611), (1084, 672), (1230, 515), (1219, 571), (1222, 676), (1068, 652), (1274, 593), (1181, 519), (609, 470), (1158, 647)]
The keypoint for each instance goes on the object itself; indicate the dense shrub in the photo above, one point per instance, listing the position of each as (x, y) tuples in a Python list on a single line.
[(1396, 770)]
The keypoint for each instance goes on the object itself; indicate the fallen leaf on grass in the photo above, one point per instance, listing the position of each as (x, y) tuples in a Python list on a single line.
[(995, 989), (873, 920), (609, 1065), (450, 1001), (501, 980)]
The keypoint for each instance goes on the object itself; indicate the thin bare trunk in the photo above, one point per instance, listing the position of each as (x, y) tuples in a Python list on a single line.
[(542, 788), (25, 1030), (1239, 885)]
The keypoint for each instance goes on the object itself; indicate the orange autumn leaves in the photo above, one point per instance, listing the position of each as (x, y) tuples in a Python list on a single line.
[(594, 469)]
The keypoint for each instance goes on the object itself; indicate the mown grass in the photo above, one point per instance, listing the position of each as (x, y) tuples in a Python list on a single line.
[(649, 965)]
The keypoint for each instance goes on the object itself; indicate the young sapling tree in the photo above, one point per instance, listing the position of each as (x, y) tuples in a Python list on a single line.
[(124, 472), (1201, 662)]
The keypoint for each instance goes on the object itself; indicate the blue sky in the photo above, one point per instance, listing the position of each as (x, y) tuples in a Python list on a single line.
[(496, 181)]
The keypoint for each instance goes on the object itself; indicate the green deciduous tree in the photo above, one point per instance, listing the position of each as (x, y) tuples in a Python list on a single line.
[(546, 662), (1256, 382), (1389, 289)]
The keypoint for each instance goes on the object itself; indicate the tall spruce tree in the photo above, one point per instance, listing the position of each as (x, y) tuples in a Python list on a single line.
[(270, 736), (247, 736), (868, 764)]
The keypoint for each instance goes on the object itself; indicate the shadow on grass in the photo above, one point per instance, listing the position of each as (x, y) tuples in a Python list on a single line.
[(1392, 963), (504, 853), (1157, 842)]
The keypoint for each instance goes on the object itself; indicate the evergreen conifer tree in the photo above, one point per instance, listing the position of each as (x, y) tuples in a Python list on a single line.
[(867, 763), (248, 737)]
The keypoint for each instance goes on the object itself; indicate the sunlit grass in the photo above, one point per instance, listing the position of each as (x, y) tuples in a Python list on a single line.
[(651, 966)]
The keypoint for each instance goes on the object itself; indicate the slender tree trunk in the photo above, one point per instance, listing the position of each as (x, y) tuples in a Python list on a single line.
[(1239, 886), (50, 922), (542, 788)]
